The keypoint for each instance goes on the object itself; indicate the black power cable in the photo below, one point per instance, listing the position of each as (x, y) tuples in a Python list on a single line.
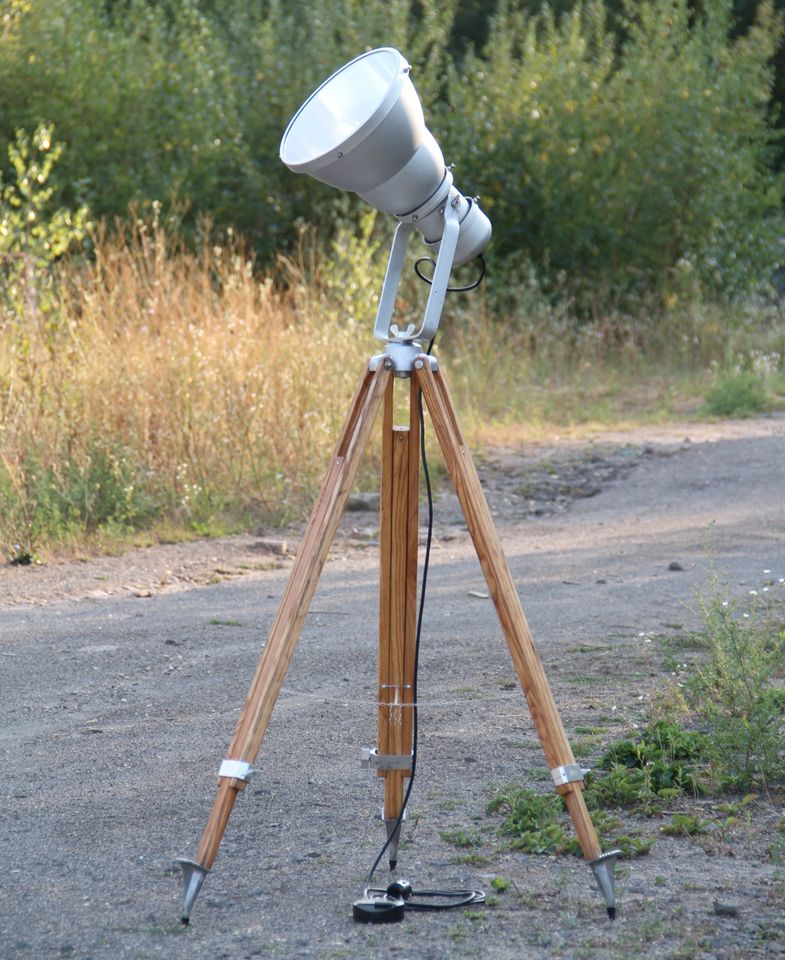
[(464, 289), (402, 890)]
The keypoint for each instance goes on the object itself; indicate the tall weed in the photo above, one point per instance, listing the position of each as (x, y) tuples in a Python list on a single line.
[(737, 694)]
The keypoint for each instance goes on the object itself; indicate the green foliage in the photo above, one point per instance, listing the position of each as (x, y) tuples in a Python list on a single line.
[(665, 751), (737, 394), (736, 695), (623, 166), (461, 838), (736, 698), (618, 148), (642, 773), (354, 272), (42, 501), (189, 100), (610, 830), (685, 825), (531, 819), (538, 823), (32, 234)]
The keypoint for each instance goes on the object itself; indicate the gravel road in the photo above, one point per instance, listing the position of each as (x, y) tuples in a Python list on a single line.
[(121, 680)]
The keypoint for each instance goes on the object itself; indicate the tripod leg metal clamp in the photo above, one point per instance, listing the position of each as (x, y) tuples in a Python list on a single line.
[(386, 761), (236, 770), (571, 773)]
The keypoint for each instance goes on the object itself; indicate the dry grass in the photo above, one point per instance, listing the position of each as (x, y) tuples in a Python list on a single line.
[(183, 392), (199, 384)]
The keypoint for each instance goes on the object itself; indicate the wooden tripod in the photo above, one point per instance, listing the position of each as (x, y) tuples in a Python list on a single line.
[(398, 594)]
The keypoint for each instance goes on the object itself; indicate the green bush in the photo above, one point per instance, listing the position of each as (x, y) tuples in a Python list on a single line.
[(612, 159), (104, 491), (624, 166), (33, 235), (189, 100), (737, 394)]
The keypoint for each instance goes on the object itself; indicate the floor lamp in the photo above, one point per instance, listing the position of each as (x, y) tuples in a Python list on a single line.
[(363, 130)]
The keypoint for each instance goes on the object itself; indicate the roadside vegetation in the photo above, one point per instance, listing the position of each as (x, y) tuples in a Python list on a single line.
[(182, 320), (710, 756)]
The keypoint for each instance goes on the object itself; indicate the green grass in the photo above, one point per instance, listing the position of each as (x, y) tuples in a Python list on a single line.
[(685, 825), (461, 838), (473, 859), (741, 394)]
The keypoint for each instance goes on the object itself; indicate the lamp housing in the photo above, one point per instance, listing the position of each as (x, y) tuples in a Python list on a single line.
[(363, 130)]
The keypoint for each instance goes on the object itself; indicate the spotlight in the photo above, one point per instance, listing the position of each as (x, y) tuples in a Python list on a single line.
[(363, 130)]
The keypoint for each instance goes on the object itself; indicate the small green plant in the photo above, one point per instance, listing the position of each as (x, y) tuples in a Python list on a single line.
[(461, 838), (32, 234), (733, 808), (585, 746), (476, 916), (473, 859), (685, 825), (735, 694), (532, 819), (500, 884), (663, 762), (610, 829), (631, 846), (737, 394), (538, 823)]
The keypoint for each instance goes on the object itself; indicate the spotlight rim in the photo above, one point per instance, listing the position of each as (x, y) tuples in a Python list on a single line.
[(337, 150)]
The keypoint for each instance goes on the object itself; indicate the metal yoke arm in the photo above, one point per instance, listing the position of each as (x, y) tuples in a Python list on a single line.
[(439, 284)]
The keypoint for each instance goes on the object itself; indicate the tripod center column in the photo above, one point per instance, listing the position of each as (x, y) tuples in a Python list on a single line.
[(399, 530)]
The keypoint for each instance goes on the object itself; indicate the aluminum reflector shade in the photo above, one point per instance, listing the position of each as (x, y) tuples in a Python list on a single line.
[(363, 130)]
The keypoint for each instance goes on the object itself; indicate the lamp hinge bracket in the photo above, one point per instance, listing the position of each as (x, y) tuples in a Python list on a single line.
[(373, 760)]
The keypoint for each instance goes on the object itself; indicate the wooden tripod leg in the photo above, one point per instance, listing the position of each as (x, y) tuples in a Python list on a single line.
[(508, 606), (294, 604), (397, 600)]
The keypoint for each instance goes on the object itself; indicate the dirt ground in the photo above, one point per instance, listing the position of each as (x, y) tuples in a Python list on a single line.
[(121, 679)]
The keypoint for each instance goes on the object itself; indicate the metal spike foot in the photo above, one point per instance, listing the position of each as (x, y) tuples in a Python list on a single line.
[(193, 878), (393, 836), (602, 868)]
